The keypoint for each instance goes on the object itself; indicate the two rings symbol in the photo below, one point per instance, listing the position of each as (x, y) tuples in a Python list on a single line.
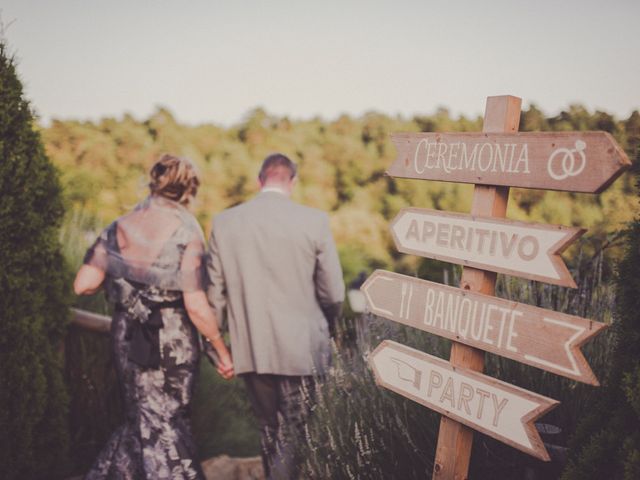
[(571, 161)]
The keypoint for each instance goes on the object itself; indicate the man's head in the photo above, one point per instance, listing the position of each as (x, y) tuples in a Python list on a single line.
[(278, 171)]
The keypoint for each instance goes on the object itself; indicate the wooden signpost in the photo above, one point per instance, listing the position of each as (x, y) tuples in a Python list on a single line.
[(484, 244), (527, 250), (542, 338), (500, 410)]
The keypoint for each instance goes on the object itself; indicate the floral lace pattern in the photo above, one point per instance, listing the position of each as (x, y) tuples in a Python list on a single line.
[(156, 441)]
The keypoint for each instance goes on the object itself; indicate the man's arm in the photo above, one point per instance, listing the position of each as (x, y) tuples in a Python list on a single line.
[(216, 288), (328, 276)]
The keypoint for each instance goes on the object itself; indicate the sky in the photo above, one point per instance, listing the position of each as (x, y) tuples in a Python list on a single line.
[(213, 61)]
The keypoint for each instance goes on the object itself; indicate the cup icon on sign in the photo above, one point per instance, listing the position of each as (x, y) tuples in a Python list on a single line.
[(408, 373)]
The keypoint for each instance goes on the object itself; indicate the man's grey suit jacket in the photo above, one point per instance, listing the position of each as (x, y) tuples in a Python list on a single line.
[(274, 268)]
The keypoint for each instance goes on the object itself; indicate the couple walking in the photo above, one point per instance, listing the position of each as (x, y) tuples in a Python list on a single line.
[(271, 273)]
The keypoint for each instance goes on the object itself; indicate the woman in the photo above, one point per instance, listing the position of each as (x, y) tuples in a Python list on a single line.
[(150, 263)]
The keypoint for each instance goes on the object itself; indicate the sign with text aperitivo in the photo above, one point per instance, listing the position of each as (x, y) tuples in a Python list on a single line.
[(527, 250), (500, 410), (568, 161), (535, 336)]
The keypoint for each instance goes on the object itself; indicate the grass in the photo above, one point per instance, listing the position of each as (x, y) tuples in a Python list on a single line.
[(358, 430), (223, 422)]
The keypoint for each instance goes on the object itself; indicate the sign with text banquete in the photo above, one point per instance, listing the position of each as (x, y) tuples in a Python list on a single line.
[(541, 338), (549, 340)]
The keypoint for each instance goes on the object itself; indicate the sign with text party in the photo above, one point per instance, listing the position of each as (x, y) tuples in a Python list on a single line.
[(527, 250), (500, 410), (569, 161), (542, 338)]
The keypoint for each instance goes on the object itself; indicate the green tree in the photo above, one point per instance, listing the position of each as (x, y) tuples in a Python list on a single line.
[(607, 444), (342, 166), (34, 300), (533, 120), (632, 130)]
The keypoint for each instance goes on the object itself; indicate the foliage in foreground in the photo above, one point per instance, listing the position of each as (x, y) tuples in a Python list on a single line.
[(608, 442), (223, 422), (34, 300), (360, 430)]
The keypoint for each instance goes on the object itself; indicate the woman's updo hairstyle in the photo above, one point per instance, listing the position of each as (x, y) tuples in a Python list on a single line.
[(174, 178)]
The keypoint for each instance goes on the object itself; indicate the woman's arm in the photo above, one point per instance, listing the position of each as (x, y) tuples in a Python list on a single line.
[(203, 317), (88, 280)]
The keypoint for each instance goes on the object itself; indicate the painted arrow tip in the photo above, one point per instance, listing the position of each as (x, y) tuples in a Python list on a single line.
[(623, 163), (366, 287)]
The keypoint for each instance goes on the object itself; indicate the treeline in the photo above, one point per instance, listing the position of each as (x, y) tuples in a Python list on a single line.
[(342, 170)]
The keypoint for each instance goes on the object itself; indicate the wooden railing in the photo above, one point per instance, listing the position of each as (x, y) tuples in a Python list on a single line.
[(91, 321)]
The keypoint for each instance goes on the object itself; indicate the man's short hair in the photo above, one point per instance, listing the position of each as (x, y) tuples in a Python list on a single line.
[(277, 166)]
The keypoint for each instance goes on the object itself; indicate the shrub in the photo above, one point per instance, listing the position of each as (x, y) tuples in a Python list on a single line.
[(607, 444), (34, 299)]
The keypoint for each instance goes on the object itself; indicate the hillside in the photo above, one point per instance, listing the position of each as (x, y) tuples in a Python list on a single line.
[(342, 164)]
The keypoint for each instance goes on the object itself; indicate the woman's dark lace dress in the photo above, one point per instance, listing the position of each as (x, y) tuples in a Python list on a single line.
[(156, 351)]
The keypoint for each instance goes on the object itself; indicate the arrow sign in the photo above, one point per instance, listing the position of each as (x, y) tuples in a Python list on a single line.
[(500, 410), (571, 161), (542, 338), (527, 250)]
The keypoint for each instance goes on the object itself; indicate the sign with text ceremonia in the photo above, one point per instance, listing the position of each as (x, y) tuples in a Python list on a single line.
[(493, 407), (570, 161), (527, 250), (542, 338)]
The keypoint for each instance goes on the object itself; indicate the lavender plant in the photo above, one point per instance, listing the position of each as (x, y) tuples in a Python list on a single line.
[(359, 430)]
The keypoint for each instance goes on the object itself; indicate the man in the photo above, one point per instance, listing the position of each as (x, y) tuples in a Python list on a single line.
[(276, 277)]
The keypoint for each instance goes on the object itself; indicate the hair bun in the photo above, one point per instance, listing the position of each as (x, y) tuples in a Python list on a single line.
[(174, 178)]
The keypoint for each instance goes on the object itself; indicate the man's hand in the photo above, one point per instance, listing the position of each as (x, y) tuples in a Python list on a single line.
[(225, 368), (332, 313)]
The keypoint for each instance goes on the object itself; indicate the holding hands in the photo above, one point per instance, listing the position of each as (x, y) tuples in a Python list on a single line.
[(219, 355), (204, 318)]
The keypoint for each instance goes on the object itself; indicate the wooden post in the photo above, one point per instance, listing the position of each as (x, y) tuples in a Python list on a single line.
[(502, 115)]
